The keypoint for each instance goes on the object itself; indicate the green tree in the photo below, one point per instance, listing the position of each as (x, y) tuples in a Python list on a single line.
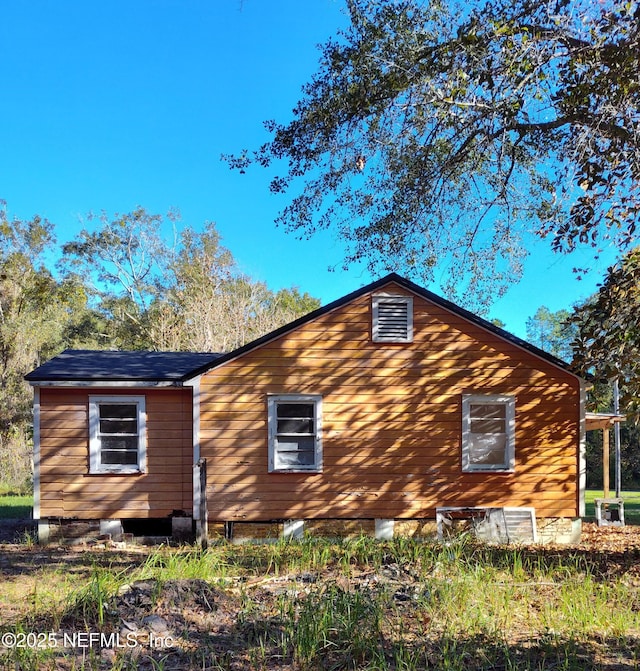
[(187, 295), (123, 262), (552, 332), (436, 136), (39, 316), (608, 331), (212, 306)]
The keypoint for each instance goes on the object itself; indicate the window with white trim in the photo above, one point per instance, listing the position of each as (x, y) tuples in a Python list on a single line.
[(117, 434), (295, 432), (488, 432), (392, 318)]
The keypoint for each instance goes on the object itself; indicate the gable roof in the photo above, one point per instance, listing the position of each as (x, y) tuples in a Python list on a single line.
[(111, 366), (177, 367), (374, 286)]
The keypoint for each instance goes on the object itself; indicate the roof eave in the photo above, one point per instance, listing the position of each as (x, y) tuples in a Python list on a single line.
[(79, 383)]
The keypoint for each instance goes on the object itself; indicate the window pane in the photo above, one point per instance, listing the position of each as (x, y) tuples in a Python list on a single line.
[(295, 410), (118, 411), (119, 450), (110, 457), (488, 411), (119, 426), (295, 418), (291, 443), (295, 459), (292, 452), (488, 426), (295, 426), (119, 443), (490, 450)]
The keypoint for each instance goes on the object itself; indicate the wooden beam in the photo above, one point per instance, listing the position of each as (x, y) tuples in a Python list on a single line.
[(605, 461)]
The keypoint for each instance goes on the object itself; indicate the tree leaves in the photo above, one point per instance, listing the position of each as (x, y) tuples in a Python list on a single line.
[(552, 332), (608, 341), (435, 139), (38, 315), (182, 294)]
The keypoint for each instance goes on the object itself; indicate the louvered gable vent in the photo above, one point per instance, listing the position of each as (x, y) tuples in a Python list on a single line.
[(392, 319)]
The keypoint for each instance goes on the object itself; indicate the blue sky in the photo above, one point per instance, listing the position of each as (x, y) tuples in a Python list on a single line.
[(110, 105)]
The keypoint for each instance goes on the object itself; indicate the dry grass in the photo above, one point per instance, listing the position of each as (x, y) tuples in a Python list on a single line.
[(318, 604)]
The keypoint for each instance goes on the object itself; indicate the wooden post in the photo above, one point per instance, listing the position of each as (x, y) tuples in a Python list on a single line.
[(616, 438), (605, 461)]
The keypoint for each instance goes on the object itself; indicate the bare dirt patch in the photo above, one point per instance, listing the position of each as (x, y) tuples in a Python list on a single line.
[(238, 622), (15, 530)]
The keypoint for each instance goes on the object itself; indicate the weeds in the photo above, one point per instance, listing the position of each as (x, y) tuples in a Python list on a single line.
[(92, 604), (333, 622), (398, 605), (184, 564)]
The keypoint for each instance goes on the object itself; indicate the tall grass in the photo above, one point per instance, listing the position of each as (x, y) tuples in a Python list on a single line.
[(361, 604), (183, 564), (92, 603)]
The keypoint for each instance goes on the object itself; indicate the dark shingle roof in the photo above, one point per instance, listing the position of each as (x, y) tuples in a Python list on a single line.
[(107, 365)]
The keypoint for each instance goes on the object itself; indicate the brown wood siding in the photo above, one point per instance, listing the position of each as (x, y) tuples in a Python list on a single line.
[(391, 421), (68, 490)]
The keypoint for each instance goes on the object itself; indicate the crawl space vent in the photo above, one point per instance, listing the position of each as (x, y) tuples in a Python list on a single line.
[(492, 525)]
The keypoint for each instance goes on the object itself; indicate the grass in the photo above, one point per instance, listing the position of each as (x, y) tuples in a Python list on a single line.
[(362, 604), (15, 507), (631, 504), (397, 605)]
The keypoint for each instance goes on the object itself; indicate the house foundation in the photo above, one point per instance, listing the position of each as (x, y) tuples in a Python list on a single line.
[(562, 531), (72, 531)]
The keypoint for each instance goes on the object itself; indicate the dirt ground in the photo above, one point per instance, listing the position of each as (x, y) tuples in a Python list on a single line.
[(13, 531), (203, 626)]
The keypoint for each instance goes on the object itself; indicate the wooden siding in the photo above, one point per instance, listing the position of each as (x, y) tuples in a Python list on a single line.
[(391, 421), (68, 490)]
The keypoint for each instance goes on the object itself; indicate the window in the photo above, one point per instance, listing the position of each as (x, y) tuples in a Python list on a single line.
[(488, 433), (117, 441), (295, 433), (392, 318)]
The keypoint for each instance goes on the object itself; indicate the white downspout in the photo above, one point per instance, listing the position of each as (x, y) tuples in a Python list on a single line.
[(195, 385)]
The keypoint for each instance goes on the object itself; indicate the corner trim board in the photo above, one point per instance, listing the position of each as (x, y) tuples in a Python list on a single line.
[(36, 454)]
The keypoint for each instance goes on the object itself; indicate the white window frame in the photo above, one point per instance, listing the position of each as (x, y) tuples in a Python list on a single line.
[(377, 300), (508, 466), (273, 400), (95, 445)]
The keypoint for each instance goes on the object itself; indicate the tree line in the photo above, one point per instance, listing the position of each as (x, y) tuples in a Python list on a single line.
[(563, 334), (121, 285)]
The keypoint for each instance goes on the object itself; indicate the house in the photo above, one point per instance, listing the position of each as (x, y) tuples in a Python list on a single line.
[(375, 411)]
